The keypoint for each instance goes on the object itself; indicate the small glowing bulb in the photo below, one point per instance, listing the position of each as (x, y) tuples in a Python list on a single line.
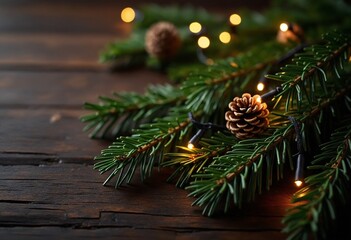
[(284, 27), (203, 42), (260, 87), (258, 99), (128, 15), (235, 19), (195, 27), (298, 183), (224, 37), (191, 146)]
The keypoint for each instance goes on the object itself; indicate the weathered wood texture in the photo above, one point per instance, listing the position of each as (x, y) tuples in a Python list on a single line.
[(48, 189)]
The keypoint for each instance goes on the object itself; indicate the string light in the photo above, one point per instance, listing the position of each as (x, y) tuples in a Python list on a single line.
[(128, 15), (299, 170), (298, 183), (225, 37), (235, 19), (191, 146), (203, 42), (195, 27), (196, 138), (284, 27), (260, 86), (203, 127)]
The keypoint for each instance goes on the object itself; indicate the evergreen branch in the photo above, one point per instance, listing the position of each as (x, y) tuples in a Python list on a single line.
[(153, 13), (324, 190), (143, 148), (210, 90), (227, 176), (125, 111), (127, 52), (192, 161), (313, 64)]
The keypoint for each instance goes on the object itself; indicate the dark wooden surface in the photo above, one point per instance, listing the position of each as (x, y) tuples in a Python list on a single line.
[(48, 189)]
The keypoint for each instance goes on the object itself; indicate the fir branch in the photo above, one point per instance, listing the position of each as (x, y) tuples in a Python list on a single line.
[(212, 89), (318, 200), (238, 175), (153, 13), (313, 63), (127, 110), (226, 178), (143, 148), (191, 161), (127, 52)]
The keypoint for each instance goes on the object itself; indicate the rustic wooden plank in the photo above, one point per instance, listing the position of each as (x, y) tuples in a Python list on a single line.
[(51, 134), (69, 88), (58, 16), (130, 233), (71, 195), (43, 51)]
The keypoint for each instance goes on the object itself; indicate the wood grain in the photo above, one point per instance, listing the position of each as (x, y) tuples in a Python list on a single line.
[(48, 187), (71, 195), (69, 89)]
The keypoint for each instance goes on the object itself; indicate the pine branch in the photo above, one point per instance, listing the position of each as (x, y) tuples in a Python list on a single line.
[(315, 60), (153, 13), (324, 191), (191, 161), (130, 148), (127, 52), (126, 111), (210, 90), (144, 148), (227, 177)]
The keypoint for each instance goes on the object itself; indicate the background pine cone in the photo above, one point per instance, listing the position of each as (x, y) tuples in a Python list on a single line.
[(162, 40), (247, 116)]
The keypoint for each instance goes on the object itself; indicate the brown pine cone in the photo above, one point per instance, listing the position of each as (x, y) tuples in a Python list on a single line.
[(162, 40), (247, 117)]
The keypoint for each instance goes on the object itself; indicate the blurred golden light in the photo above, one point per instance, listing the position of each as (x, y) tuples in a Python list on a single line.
[(203, 42), (195, 27), (190, 146), (128, 15), (284, 27), (260, 86), (259, 99), (235, 19), (298, 183), (234, 64), (224, 37)]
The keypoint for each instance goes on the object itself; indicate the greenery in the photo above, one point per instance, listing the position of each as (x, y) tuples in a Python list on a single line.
[(309, 101)]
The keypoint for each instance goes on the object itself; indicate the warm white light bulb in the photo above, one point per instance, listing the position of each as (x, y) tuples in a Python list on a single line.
[(128, 15), (284, 27), (235, 19), (260, 87), (298, 183), (190, 146), (225, 37), (203, 42), (195, 27)]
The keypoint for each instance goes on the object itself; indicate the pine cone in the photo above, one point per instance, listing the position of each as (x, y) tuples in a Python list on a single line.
[(162, 40), (247, 116)]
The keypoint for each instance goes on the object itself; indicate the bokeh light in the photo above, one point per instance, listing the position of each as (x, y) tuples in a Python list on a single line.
[(225, 37), (128, 15), (235, 19)]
